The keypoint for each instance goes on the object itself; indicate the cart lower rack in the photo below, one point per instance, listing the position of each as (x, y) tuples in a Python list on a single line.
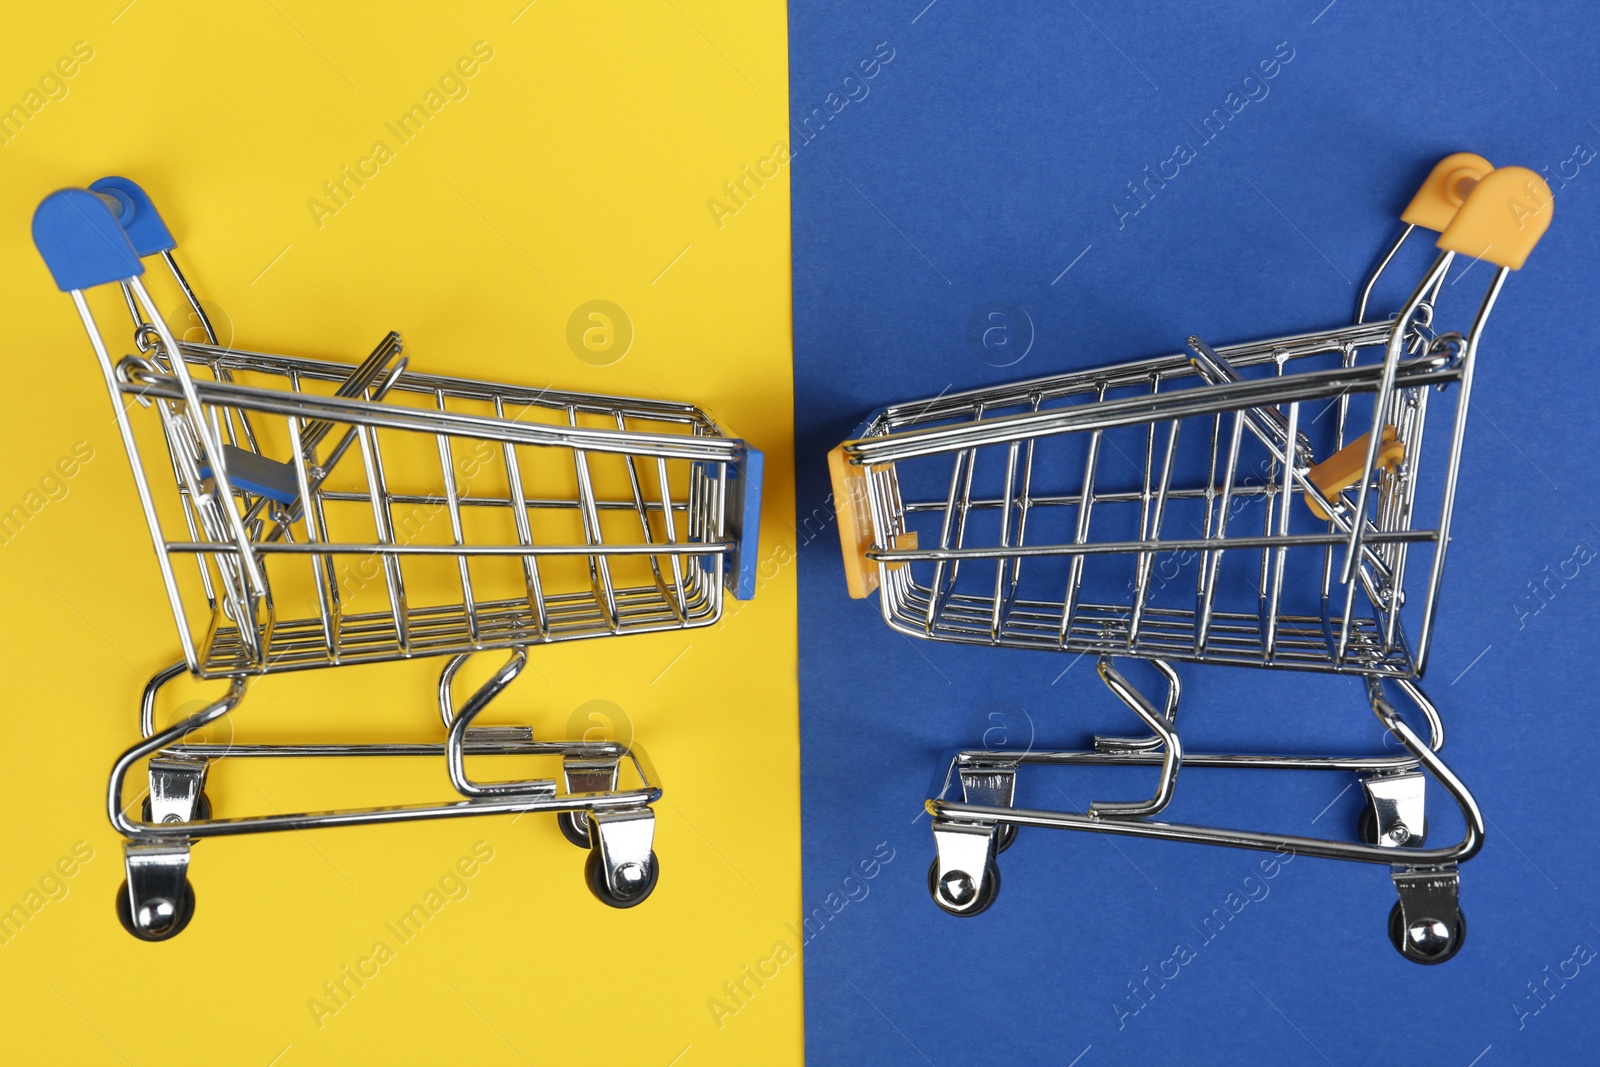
[(307, 514), (1280, 504)]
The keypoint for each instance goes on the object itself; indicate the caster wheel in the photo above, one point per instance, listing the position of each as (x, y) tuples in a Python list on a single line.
[(956, 890), (202, 809), (574, 827), (1435, 944), (1005, 838), (180, 915), (594, 873), (1367, 828)]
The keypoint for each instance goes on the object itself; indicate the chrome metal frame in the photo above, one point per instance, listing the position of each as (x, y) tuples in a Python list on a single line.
[(225, 414), (1251, 392)]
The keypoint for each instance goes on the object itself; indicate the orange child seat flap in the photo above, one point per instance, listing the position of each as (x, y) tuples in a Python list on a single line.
[(1343, 469)]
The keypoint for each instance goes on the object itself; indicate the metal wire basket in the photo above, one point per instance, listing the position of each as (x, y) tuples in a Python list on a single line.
[(1279, 504), (307, 514)]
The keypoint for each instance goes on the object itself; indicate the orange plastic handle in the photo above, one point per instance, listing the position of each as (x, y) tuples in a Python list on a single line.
[(1503, 218), (1445, 189), (855, 524)]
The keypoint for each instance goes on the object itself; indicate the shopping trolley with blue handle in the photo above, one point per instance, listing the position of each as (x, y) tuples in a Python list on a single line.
[(1220, 506), (308, 514)]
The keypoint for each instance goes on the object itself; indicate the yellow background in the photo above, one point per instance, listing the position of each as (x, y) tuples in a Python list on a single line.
[(577, 167)]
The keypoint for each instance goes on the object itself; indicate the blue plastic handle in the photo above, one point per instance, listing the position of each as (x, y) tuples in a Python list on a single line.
[(744, 521), (138, 217), (81, 242), (746, 512)]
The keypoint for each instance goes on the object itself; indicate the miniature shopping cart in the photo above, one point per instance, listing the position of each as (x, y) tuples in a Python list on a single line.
[(1222, 506), (309, 514)]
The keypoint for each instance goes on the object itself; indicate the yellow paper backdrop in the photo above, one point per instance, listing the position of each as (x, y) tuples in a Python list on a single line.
[(574, 163)]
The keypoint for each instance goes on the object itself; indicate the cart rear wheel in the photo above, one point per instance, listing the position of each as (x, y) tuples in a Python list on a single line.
[(574, 827), (202, 809), (1367, 827), (169, 919), (953, 893), (594, 873), (1005, 837), (1432, 941)]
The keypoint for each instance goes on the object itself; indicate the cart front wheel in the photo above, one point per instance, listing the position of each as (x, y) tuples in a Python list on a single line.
[(1005, 836), (643, 885), (955, 893), (574, 827), (1429, 941), (161, 918)]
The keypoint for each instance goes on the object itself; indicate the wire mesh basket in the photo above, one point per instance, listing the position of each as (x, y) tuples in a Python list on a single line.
[(306, 514), (1279, 504)]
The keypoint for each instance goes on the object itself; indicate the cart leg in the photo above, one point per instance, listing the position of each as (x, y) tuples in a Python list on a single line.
[(177, 790), (1395, 813), (994, 785), (460, 728), (1136, 744), (1426, 925), (1165, 737), (584, 776), (157, 901), (963, 879), (622, 867)]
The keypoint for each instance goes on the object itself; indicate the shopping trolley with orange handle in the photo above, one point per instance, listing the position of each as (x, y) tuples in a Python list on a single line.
[(1273, 504)]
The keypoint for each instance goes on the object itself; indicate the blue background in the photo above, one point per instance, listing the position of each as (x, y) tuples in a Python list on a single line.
[(983, 160)]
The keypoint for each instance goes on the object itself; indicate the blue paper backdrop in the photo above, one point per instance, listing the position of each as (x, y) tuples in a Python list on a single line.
[(981, 168)]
